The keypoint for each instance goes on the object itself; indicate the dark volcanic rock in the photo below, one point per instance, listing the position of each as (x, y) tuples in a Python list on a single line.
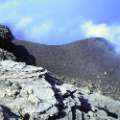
[(88, 61), (6, 37), (5, 33), (19, 52)]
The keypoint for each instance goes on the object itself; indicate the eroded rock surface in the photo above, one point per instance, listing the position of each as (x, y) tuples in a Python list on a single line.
[(5, 55), (5, 34), (30, 93)]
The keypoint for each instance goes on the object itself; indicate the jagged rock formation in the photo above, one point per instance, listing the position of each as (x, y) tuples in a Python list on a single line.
[(6, 43), (5, 34), (30, 93), (5, 55), (6, 37)]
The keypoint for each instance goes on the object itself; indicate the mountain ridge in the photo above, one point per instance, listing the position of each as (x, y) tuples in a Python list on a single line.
[(88, 61), (30, 92)]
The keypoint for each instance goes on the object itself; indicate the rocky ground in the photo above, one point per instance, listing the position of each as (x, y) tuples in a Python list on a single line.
[(31, 93)]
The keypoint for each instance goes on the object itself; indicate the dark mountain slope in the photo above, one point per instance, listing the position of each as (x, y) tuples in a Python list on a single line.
[(92, 60)]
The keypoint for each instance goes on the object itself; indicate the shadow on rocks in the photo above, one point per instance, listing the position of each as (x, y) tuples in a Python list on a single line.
[(20, 52), (85, 105), (8, 114), (22, 55), (60, 106)]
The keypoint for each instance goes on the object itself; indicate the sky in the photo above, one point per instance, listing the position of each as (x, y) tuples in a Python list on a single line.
[(61, 21)]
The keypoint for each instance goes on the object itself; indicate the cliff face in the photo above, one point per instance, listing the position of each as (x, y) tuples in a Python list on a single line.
[(29, 92)]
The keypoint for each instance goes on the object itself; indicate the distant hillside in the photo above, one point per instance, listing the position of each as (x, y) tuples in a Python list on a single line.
[(87, 61)]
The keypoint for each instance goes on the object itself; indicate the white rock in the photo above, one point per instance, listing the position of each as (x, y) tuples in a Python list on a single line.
[(42, 99)]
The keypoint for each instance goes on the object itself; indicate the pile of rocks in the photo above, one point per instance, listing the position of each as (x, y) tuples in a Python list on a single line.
[(30, 93)]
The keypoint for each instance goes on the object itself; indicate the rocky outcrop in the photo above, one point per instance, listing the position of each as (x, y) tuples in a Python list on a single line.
[(6, 38), (17, 52), (5, 55), (31, 93), (5, 34)]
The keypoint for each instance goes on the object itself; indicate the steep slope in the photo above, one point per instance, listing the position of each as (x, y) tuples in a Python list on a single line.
[(88, 61)]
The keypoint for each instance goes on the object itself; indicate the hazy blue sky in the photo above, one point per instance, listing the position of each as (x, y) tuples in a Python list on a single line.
[(61, 21)]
